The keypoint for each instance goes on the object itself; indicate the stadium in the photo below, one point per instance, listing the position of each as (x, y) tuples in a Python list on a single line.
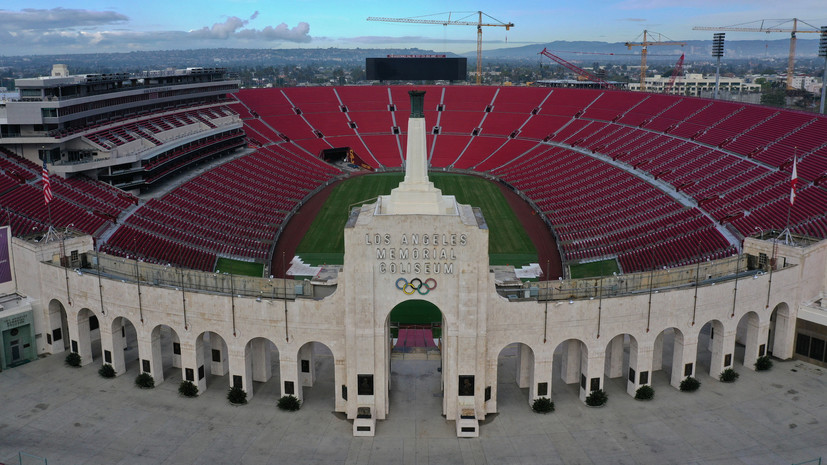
[(598, 234)]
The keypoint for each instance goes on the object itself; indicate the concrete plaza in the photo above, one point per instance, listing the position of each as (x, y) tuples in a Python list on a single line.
[(73, 416)]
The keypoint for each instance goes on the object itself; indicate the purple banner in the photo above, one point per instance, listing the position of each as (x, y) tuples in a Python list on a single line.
[(5, 263)]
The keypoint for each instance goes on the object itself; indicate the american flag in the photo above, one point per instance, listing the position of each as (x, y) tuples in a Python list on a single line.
[(47, 185)]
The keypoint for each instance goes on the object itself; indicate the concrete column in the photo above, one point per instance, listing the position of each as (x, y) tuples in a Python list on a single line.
[(570, 365), (492, 371), (112, 342), (684, 351), (79, 332), (262, 360), (783, 336), (640, 360), (592, 368), (756, 335), (308, 378), (525, 362), (723, 348), (616, 356), (541, 373), (289, 373), (149, 350), (192, 357), (239, 364), (55, 323)]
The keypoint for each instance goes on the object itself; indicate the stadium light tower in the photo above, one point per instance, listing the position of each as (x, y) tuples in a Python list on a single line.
[(822, 52), (717, 52)]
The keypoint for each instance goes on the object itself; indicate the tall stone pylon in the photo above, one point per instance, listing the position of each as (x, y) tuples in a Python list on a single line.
[(416, 195)]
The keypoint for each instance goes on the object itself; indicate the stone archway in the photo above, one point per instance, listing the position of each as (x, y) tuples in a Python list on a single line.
[(86, 339), (781, 334), (165, 358), (262, 374), (58, 336), (750, 340), (414, 362), (515, 373), (714, 352), (120, 346), (316, 375)]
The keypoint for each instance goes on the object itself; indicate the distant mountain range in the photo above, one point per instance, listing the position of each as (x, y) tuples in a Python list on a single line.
[(694, 50), (587, 52)]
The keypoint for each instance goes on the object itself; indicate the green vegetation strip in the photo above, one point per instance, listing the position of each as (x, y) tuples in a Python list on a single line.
[(508, 243), (594, 269), (228, 265)]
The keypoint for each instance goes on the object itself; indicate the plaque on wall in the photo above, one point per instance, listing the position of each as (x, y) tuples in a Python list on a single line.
[(176, 348), (190, 374), (542, 389), (107, 356), (644, 377), (344, 392), (466, 385), (305, 366), (595, 384), (216, 355), (631, 374), (201, 372), (237, 381), (145, 366), (687, 369), (487, 393), (288, 388), (727, 360), (365, 386)]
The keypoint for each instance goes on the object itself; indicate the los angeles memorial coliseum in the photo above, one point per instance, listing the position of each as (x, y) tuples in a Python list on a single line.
[(157, 180)]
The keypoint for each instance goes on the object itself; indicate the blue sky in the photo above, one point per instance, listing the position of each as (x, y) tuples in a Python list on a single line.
[(71, 26)]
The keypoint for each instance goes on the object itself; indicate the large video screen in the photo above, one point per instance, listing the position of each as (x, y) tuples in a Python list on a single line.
[(416, 69)]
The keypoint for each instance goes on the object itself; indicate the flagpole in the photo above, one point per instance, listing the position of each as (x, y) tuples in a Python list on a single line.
[(793, 186)]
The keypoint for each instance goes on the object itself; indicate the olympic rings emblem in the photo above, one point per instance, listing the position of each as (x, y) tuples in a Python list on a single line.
[(416, 285)]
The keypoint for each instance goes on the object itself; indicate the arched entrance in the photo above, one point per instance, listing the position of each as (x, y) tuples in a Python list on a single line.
[(217, 362), (261, 369), (671, 357), (749, 345), (120, 349), (166, 354), (571, 373), (515, 376), (87, 341), (710, 353), (414, 364), (626, 360), (778, 340), (58, 336), (315, 374)]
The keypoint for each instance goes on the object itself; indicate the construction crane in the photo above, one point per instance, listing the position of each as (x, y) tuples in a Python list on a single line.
[(455, 22), (644, 45), (577, 69), (675, 73), (776, 25)]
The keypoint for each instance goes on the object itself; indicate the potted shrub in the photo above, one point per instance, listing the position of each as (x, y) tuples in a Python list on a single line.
[(543, 405), (690, 384), (728, 376), (237, 396), (289, 403), (107, 371), (597, 398), (73, 359), (763, 363), (187, 389), (145, 381), (645, 392)]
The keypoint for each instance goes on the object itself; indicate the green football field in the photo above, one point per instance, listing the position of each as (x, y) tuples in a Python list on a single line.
[(507, 241), (228, 265)]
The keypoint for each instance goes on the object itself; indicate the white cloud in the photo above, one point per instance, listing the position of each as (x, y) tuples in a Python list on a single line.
[(57, 18)]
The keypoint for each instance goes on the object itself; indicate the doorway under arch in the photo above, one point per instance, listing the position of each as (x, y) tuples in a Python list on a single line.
[(166, 354), (414, 364), (515, 376), (58, 336)]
